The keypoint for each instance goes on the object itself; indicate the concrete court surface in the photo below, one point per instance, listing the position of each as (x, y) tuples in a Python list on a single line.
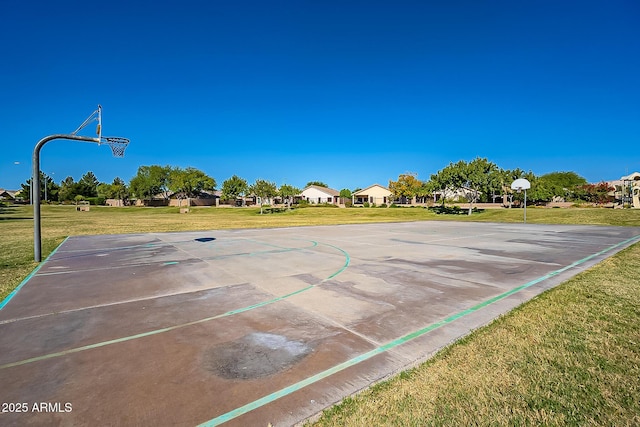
[(250, 327)]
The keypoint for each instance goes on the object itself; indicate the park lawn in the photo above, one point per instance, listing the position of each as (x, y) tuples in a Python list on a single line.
[(569, 356)]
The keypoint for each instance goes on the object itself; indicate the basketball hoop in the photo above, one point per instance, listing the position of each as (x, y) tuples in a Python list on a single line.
[(117, 144), (519, 185)]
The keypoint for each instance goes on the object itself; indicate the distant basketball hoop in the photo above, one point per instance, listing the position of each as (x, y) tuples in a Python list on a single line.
[(116, 143), (519, 185)]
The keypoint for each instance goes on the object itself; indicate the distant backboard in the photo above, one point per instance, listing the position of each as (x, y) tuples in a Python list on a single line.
[(520, 184)]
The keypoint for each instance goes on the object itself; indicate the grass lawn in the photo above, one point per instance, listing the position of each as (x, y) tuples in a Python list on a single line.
[(570, 356)]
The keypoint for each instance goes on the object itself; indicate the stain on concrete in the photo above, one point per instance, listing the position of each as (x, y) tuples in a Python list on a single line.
[(255, 355)]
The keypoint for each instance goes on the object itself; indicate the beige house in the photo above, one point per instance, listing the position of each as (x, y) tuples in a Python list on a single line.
[(628, 187), (8, 195), (316, 194), (374, 194)]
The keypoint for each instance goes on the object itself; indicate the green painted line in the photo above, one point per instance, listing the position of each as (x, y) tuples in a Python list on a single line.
[(172, 328), (346, 262), (395, 343), (154, 332), (26, 279)]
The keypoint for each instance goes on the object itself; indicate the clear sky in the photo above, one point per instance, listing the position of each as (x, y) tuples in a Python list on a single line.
[(346, 92)]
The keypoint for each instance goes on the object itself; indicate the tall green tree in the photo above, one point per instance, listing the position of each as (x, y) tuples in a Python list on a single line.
[(190, 181), (150, 181), (479, 176), (89, 184), (120, 189), (69, 189), (446, 181), (265, 190), (49, 190), (234, 187), (317, 184), (562, 185)]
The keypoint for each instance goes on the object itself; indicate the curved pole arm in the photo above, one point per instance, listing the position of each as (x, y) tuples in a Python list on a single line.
[(35, 187)]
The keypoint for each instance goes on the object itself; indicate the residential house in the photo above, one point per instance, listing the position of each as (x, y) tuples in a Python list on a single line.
[(7, 195), (317, 194), (374, 194), (628, 189), (204, 198)]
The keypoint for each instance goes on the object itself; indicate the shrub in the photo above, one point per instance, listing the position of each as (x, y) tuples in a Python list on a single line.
[(96, 200), (384, 205), (366, 204)]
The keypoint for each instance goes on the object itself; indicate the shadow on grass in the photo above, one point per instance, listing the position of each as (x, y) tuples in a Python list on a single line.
[(276, 210), (452, 210), (8, 211)]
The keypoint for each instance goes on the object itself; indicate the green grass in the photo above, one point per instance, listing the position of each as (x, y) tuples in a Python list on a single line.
[(569, 357)]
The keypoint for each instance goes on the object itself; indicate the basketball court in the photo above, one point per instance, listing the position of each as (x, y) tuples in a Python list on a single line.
[(251, 327)]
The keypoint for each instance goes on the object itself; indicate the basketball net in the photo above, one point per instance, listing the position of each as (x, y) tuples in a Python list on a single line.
[(117, 144)]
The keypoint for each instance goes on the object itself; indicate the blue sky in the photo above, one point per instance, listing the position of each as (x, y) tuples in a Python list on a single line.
[(346, 92)]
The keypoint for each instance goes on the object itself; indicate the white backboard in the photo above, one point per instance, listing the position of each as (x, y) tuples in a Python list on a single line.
[(520, 184)]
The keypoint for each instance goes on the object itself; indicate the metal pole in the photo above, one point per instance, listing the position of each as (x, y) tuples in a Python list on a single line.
[(525, 205), (35, 189)]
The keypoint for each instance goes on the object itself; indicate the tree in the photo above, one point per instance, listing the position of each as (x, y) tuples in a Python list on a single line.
[(69, 189), (406, 187), (149, 181), (481, 177), (345, 193), (477, 177), (595, 193), (120, 190), (423, 191), (539, 191), (446, 181), (288, 192), (561, 185), (264, 190), (117, 190), (317, 184), (89, 185), (49, 190), (507, 176), (234, 187), (190, 181)]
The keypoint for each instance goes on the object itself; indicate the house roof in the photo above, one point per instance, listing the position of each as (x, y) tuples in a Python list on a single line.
[(8, 193), (329, 191), (633, 177), (364, 191)]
